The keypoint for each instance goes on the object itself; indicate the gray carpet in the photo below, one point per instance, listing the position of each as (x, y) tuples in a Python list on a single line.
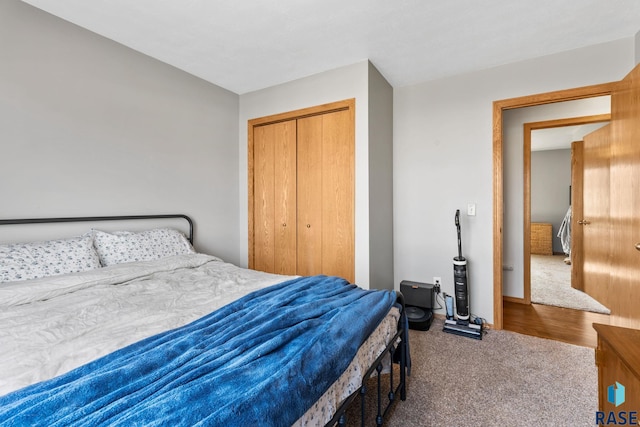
[(551, 285), (505, 379)]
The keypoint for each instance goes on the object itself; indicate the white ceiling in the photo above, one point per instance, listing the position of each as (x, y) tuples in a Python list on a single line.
[(246, 45)]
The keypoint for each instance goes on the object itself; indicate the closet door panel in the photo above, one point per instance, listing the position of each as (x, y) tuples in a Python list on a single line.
[(310, 196), (274, 201), (263, 203), (326, 195), (285, 197), (338, 195)]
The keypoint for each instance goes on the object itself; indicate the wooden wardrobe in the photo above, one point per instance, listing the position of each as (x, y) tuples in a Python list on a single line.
[(301, 191)]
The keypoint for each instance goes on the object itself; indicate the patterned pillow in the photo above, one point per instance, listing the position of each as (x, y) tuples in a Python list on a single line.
[(120, 247), (25, 261)]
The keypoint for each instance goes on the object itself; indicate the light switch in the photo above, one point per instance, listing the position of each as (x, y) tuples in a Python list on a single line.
[(471, 209)]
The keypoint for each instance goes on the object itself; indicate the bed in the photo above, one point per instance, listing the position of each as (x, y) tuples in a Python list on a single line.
[(136, 328)]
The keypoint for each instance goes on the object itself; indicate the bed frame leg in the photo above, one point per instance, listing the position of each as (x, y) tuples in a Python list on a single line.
[(403, 364), (379, 395), (342, 421), (392, 395), (363, 397)]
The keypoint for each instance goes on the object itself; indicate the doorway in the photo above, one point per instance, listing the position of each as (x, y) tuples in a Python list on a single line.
[(499, 108), (553, 166)]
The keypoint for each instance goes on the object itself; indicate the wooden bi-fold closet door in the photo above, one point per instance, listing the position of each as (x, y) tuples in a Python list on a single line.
[(325, 195), (301, 192), (274, 196)]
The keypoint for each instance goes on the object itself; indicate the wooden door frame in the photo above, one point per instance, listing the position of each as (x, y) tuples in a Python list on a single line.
[(528, 128), (498, 163), (577, 198), (347, 104)]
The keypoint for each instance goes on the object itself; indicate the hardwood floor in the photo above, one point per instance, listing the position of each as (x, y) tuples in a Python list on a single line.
[(561, 324)]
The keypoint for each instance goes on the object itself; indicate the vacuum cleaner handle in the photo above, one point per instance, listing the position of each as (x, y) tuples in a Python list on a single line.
[(459, 237)]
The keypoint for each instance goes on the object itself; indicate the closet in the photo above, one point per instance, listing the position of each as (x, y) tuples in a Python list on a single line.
[(301, 191)]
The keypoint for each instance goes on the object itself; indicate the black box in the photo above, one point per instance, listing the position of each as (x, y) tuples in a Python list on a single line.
[(418, 300)]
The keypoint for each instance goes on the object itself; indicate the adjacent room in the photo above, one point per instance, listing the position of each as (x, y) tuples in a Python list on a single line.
[(183, 182)]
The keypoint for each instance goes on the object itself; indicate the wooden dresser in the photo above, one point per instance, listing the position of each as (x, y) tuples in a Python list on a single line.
[(541, 238), (618, 361)]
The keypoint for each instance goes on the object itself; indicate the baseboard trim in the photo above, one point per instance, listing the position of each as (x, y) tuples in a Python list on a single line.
[(514, 299)]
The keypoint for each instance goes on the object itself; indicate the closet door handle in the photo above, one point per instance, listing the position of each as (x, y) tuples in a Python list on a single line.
[(308, 225), (638, 246), (584, 222), (284, 224)]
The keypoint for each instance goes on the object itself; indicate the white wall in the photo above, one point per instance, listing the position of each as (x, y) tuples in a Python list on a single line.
[(89, 127), (443, 159), (550, 182), (380, 180), (637, 48)]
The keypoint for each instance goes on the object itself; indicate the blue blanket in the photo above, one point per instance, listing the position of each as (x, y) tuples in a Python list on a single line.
[(261, 360)]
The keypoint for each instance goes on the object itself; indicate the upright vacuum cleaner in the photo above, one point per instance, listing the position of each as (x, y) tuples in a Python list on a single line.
[(460, 324)]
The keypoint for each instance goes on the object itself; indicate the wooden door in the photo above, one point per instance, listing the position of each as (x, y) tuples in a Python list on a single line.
[(326, 195), (594, 223), (274, 198), (625, 200)]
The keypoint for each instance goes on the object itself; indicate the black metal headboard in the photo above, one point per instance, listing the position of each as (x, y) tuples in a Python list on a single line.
[(98, 218)]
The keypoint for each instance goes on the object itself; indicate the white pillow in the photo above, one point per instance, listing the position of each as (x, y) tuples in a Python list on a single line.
[(120, 247), (25, 261)]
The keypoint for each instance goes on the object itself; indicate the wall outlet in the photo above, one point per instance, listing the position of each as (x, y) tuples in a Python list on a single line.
[(436, 284)]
